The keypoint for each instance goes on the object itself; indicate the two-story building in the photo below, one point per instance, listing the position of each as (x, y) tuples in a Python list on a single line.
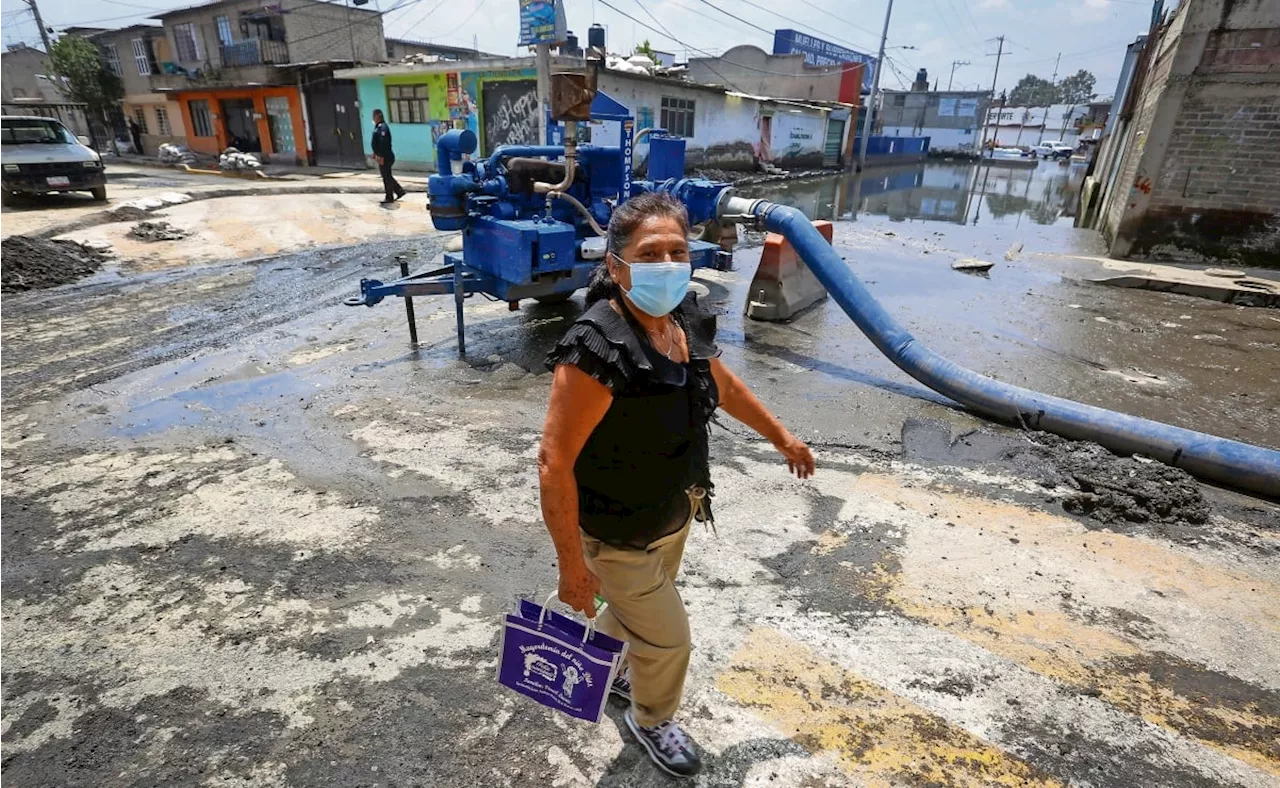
[(239, 72), (951, 119), (134, 53)]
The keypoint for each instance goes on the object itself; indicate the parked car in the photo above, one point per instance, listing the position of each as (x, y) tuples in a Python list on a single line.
[(1053, 149), (40, 156)]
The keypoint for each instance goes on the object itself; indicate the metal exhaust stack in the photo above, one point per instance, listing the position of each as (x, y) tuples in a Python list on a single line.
[(1220, 460)]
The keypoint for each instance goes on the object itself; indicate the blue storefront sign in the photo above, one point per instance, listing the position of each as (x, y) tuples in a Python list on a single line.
[(823, 53), (542, 22)]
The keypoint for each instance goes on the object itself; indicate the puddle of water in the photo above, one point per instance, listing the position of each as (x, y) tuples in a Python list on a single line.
[(940, 191), (241, 396)]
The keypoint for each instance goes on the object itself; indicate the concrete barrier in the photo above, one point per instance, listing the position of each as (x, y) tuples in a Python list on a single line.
[(783, 285)]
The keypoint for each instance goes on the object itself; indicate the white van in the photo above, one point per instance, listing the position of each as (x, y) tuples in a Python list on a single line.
[(40, 155)]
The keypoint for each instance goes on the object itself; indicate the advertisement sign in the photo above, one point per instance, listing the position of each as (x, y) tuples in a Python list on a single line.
[(823, 53), (542, 22)]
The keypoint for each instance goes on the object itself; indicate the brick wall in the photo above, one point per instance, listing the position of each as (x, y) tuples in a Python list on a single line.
[(320, 31), (1224, 152), (1200, 177)]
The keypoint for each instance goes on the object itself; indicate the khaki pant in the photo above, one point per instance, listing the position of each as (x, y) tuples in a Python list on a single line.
[(646, 611)]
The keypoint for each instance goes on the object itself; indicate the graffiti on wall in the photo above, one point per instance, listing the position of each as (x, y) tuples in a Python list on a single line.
[(510, 113)]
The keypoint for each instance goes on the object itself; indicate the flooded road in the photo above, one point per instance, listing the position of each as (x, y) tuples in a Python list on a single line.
[(1036, 320), (253, 537), (952, 192)]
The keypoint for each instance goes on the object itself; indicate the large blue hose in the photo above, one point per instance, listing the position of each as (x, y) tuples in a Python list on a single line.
[(1227, 462)]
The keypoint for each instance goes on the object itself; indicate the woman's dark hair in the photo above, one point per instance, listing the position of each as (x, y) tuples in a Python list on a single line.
[(626, 219)]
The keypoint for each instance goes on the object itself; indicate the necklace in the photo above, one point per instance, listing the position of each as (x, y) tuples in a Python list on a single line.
[(669, 336)]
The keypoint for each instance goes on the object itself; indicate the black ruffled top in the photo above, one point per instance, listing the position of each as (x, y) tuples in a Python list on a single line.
[(653, 444)]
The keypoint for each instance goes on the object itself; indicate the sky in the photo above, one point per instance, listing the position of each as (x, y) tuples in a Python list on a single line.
[(1091, 35)]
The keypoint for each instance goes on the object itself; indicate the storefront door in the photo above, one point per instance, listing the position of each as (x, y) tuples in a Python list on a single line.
[(242, 128)]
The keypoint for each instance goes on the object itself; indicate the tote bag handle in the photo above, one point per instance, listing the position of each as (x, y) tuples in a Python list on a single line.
[(591, 620)]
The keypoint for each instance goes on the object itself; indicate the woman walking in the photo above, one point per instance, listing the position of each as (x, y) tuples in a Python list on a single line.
[(624, 466)]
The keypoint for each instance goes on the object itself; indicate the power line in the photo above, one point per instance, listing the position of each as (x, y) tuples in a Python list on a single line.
[(839, 19), (969, 16), (465, 21), (672, 36), (668, 33), (425, 17), (802, 24)]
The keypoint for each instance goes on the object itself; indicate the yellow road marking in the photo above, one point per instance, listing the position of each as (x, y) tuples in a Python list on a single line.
[(879, 737), (1055, 556)]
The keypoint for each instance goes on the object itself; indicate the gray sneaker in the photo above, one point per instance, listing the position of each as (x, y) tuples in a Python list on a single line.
[(668, 746), (622, 685)]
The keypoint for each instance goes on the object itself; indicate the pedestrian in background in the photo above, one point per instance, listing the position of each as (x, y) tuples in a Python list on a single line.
[(624, 465), (135, 133), (386, 157)]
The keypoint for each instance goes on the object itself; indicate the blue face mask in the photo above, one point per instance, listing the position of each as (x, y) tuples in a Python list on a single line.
[(657, 288)]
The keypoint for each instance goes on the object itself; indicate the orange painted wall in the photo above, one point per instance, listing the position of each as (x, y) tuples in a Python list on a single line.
[(218, 143)]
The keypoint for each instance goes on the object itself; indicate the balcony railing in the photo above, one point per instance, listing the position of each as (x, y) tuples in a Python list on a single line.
[(253, 52)]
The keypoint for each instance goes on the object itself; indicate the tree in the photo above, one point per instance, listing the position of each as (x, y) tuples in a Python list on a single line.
[(85, 78), (646, 49), (1077, 88), (1032, 91)]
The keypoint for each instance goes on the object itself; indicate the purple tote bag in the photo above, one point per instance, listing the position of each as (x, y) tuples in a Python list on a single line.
[(557, 661)]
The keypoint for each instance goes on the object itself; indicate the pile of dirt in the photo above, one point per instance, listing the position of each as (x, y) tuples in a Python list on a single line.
[(35, 263), (156, 231), (1122, 493), (1117, 490)]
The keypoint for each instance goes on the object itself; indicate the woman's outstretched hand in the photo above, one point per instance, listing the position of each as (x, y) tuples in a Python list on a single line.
[(799, 459)]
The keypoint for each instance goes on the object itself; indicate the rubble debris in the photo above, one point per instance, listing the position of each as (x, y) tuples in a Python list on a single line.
[(36, 263), (176, 154), (1117, 491), (234, 159), (420, 58), (1124, 494), (131, 210), (157, 231), (972, 264)]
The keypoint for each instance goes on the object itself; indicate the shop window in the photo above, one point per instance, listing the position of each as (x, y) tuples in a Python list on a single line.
[(162, 122), (201, 120), (112, 56), (677, 116), (407, 103), (280, 124), (184, 38)]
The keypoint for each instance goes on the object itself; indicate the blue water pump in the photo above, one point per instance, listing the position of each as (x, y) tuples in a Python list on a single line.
[(532, 217)]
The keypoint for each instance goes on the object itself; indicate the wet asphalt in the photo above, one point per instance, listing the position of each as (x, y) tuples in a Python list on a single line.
[(252, 537)]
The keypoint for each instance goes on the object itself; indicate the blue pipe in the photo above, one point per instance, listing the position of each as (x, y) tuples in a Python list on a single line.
[(1227, 462), (451, 146)]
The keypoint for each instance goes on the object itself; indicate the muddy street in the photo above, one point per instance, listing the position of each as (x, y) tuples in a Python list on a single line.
[(252, 537)]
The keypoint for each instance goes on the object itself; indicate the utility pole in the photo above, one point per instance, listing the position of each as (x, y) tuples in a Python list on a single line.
[(351, 34), (994, 77), (544, 92), (875, 89), (954, 65), (1054, 83), (44, 34)]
